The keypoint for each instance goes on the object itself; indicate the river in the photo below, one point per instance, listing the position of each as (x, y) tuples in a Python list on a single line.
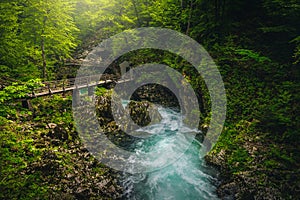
[(186, 178)]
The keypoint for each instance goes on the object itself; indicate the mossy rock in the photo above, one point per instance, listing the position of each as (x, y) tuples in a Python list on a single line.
[(143, 113)]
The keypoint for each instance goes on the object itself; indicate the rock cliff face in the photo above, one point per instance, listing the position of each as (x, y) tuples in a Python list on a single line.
[(141, 112), (156, 94)]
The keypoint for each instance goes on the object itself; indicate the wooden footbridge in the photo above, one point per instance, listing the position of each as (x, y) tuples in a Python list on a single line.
[(72, 84), (63, 86), (75, 85)]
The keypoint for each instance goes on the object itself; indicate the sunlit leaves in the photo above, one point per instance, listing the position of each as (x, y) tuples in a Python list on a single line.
[(10, 44), (19, 90), (51, 22)]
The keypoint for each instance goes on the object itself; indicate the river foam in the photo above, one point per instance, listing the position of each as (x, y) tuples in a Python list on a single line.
[(186, 178)]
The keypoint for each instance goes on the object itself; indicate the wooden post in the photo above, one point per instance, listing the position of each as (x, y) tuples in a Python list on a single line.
[(32, 93), (49, 89), (90, 90), (64, 89), (131, 74), (123, 67), (76, 96)]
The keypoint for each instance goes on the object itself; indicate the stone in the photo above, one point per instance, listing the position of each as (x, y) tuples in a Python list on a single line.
[(51, 125)]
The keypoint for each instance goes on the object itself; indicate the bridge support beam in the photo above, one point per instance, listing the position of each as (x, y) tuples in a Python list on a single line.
[(90, 90), (123, 67), (64, 89), (76, 97)]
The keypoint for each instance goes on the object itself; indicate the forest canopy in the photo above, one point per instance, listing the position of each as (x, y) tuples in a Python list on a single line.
[(38, 36)]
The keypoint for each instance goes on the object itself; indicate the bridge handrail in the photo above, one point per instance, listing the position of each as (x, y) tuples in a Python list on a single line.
[(64, 84)]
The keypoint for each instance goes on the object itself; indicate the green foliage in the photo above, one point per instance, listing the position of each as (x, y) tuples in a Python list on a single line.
[(19, 90), (100, 91), (249, 54), (35, 35), (36, 163), (54, 31), (8, 107), (297, 49), (261, 121), (11, 45), (56, 109), (17, 152)]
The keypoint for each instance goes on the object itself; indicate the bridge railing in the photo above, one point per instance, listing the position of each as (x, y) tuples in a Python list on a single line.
[(72, 83)]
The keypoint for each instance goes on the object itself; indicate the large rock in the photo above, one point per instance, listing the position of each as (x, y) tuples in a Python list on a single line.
[(57, 132), (143, 113), (156, 94)]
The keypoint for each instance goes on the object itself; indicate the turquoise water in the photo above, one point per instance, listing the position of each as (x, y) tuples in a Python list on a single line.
[(186, 178)]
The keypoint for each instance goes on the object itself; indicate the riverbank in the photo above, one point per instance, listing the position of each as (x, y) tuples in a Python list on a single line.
[(42, 156), (258, 150)]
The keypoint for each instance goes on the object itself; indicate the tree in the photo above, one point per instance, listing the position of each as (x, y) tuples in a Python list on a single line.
[(49, 32), (10, 45)]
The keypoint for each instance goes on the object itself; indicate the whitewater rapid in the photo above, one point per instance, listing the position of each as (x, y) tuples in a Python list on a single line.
[(188, 177)]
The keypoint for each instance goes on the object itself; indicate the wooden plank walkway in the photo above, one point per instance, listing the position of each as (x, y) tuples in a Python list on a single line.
[(62, 86)]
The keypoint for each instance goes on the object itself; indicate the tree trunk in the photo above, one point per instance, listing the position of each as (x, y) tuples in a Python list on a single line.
[(43, 50), (190, 18), (217, 10), (44, 59), (223, 10), (136, 13)]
